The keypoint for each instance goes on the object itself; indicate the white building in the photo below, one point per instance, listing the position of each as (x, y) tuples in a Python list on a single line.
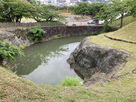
[(66, 2), (60, 2)]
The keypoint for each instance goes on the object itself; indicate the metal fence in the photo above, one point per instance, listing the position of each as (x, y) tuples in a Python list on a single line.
[(13, 24)]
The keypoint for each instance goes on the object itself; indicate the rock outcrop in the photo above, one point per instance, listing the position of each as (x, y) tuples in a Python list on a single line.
[(15, 36), (95, 63)]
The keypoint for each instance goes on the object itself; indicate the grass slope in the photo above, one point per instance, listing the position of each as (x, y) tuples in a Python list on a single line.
[(126, 33), (16, 89), (126, 20), (128, 83)]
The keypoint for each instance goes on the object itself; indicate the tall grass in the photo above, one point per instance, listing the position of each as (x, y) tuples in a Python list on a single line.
[(70, 81)]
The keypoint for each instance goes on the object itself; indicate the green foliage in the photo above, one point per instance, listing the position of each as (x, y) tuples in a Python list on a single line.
[(95, 33), (85, 33), (126, 21), (8, 51), (49, 16), (14, 10), (39, 11), (81, 8), (43, 12), (70, 81), (71, 8), (61, 35), (94, 8), (22, 46), (132, 5), (111, 11), (55, 37), (89, 9), (52, 7), (36, 33)]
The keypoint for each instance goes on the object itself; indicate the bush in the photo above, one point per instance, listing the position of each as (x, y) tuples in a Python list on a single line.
[(85, 33), (8, 51), (70, 81), (95, 33), (55, 37), (36, 34)]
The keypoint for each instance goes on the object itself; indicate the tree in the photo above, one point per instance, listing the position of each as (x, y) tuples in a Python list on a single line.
[(52, 7), (82, 7), (3, 12), (111, 11), (22, 9), (32, 2), (49, 16), (39, 11), (43, 12), (71, 8), (89, 9), (94, 8), (132, 5), (14, 10)]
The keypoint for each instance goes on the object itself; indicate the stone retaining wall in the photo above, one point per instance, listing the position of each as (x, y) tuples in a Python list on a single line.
[(18, 36), (70, 30)]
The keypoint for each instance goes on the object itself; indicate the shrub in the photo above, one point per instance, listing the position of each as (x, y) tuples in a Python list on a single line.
[(22, 46), (70, 81), (95, 33), (8, 51), (35, 34), (55, 37), (85, 33)]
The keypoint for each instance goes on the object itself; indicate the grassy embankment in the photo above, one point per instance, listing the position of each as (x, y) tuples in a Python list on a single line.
[(126, 21), (15, 89)]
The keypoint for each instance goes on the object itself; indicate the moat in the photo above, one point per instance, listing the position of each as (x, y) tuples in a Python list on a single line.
[(45, 63)]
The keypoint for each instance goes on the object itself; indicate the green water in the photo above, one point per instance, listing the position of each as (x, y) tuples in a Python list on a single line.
[(45, 63)]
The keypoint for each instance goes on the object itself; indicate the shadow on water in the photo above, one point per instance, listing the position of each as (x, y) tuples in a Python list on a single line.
[(45, 63)]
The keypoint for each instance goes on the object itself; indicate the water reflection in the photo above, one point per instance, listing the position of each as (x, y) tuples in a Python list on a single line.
[(45, 63)]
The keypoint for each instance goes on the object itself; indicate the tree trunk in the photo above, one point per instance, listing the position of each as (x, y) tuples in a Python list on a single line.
[(97, 22), (122, 15)]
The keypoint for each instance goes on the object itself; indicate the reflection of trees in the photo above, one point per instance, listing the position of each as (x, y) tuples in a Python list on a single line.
[(41, 53)]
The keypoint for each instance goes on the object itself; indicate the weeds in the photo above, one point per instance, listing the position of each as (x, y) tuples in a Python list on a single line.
[(95, 33), (55, 37), (85, 33), (70, 81)]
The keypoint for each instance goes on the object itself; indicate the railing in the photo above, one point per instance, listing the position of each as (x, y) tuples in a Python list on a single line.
[(7, 25)]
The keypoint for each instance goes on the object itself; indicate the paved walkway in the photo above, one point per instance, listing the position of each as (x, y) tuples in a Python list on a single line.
[(71, 20)]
